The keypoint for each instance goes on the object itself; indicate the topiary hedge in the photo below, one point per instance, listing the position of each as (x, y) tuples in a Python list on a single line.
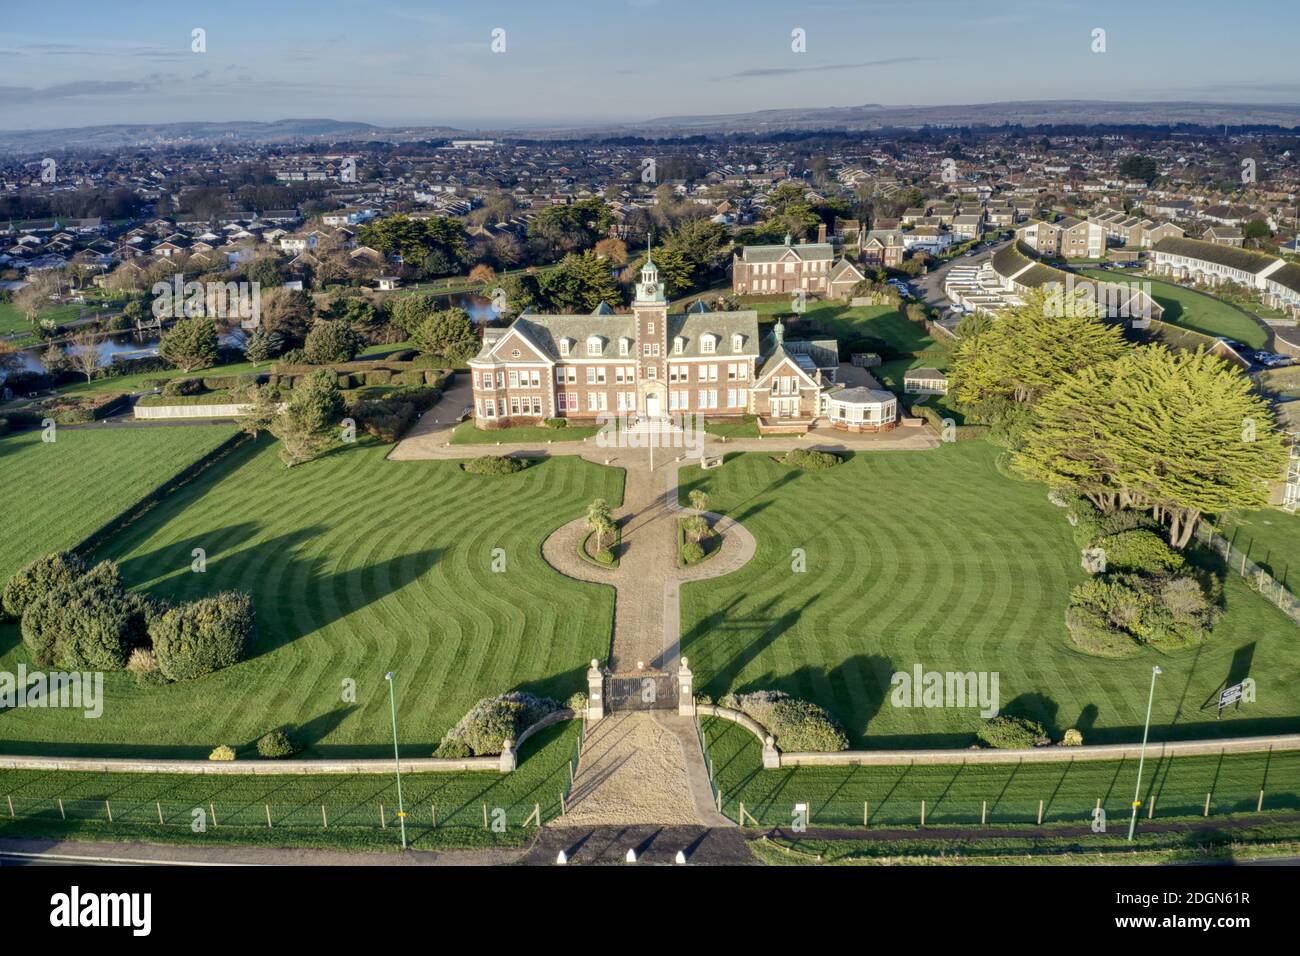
[(492, 721), (811, 460), (495, 465), (1005, 732), (202, 636), (89, 623), (275, 745), (39, 578), (797, 725)]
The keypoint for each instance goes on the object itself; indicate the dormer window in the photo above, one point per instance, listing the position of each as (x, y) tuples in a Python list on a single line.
[(709, 344), (565, 345), (622, 346), (593, 345), (737, 342), (679, 343)]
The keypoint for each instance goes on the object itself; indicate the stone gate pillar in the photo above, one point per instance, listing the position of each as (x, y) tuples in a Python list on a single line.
[(595, 692), (685, 691)]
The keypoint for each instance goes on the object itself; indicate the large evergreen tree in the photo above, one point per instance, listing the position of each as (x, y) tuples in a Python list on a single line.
[(1180, 433)]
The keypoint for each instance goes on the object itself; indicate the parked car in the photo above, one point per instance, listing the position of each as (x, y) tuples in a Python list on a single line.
[(1273, 360)]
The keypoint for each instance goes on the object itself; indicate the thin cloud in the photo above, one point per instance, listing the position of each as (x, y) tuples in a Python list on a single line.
[(824, 68), (67, 91)]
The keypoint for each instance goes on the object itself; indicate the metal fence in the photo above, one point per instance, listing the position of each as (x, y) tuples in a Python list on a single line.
[(202, 817), (794, 808), (1255, 576)]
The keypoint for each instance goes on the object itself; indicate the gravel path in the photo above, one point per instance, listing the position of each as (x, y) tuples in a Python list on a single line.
[(631, 771)]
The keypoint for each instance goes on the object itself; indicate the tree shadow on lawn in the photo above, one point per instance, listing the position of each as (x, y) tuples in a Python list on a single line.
[(179, 555)]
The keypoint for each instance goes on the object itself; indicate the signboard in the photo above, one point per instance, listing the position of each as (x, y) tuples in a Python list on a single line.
[(1236, 694)]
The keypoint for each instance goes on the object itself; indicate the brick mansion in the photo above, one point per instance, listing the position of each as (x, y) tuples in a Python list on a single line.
[(653, 364)]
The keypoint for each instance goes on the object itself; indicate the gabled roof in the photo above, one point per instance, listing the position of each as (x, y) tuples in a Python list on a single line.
[(1230, 256), (806, 369), (804, 252)]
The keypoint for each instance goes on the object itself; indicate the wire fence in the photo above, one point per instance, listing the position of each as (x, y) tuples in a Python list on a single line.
[(1256, 576), (213, 815), (794, 808), (573, 766)]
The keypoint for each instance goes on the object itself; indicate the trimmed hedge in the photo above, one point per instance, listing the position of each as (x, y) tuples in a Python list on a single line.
[(45, 574), (275, 745), (1004, 732), (202, 636), (494, 465), (492, 721), (810, 460), (798, 725)]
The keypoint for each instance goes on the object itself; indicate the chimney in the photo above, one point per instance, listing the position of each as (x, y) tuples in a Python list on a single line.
[(821, 233)]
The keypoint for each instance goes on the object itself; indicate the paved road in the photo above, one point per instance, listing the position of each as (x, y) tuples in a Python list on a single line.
[(930, 285)]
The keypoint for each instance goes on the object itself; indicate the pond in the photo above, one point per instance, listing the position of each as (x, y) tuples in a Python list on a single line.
[(115, 347)]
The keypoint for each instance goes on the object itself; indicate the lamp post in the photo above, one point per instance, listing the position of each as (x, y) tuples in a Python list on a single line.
[(392, 704), (1132, 824)]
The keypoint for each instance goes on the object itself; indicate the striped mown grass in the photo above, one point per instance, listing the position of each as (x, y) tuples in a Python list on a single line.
[(359, 811), (936, 558), (356, 566), (997, 793), (58, 492)]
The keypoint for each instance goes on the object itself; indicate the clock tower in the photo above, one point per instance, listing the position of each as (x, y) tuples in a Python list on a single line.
[(651, 311)]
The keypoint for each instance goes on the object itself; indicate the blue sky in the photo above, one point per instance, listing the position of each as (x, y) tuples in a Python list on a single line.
[(399, 62)]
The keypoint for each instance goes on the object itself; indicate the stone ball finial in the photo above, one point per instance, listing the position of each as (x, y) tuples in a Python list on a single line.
[(685, 662), (769, 741), (593, 662)]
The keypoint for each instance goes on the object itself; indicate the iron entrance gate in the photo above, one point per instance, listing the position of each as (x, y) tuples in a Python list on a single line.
[(642, 690)]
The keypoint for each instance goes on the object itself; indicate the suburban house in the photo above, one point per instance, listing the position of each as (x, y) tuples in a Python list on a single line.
[(1068, 238), (785, 268), (883, 247), (1210, 263), (1223, 236)]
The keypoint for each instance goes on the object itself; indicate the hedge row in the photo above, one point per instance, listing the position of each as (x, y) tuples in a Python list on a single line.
[(218, 397), (68, 411), (960, 432)]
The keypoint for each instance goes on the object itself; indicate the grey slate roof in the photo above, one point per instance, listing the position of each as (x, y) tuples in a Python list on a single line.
[(806, 251)]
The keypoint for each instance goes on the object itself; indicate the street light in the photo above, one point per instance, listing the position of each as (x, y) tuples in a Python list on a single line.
[(392, 703), (1132, 824)]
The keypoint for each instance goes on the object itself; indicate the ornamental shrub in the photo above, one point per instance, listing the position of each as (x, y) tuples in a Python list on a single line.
[(1072, 738), (797, 725), (1139, 550), (39, 578), (222, 752), (692, 552), (492, 721), (87, 624), (202, 636), (1004, 732), (810, 460), (555, 423), (494, 465), (276, 745)]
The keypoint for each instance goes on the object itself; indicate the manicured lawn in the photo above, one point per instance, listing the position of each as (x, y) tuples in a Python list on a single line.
[(356, 566), (935, 558), (953, 795), (59, 492), (746, 427), (1271, 538), (466, 434), (12, 320), (846, 323), (352, 804), (1194, 310)]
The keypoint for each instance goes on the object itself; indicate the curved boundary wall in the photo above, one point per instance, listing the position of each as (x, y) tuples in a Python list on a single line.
[(891, 758)]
